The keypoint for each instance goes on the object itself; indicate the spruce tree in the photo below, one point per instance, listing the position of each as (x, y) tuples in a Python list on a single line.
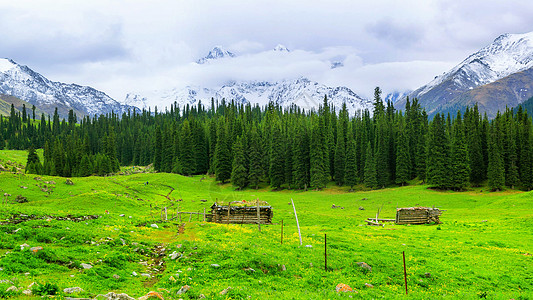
[(33, 163), (496, 171), (350, 171), (255, 157), (277, 156), (381, 155), (239, 174), (222, 159), (340, 156), (475, 151), (371, 180), (511, 176), (85, 168), (158, 149), (438, 174), (460, 166), (186, 155), (403, 159), (318, 155), (301, 158)]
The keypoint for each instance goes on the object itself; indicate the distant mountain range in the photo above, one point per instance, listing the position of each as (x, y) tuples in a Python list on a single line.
[(496, 76), (299, 91), (24, 83), (302, 92)]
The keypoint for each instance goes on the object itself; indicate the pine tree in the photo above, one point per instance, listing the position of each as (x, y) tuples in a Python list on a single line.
[(222, 159), (301, 158), (350, 171), (239, 174), (85, 168), (525, 150), (33, 163), (340, 156), (318, 155), (496, 171), (460, 166), (201, 154), (475, 151), (438, 174), (158, 149), (277, 156), (403, 160), (379, 107), (371, 180), (186, 155), (381, 155), (254, 154)]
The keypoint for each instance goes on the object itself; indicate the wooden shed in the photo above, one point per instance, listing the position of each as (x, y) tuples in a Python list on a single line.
[(417, 215), (241, 212)]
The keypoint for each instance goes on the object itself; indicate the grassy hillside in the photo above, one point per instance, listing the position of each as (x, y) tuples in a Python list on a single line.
[(482, 249), (5, 106)]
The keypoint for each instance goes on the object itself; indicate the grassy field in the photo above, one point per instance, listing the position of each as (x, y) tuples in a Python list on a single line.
[(482, 249)]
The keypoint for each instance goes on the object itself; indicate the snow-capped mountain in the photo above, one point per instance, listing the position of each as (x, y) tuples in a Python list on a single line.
[(336, 64), (508, 54), (217, 53), (303, 92), (396, 96), (281, 48), (22, 82)]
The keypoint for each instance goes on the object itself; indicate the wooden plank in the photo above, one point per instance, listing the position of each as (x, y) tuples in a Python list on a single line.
[(382, 220), (373, 223), (297, 223)]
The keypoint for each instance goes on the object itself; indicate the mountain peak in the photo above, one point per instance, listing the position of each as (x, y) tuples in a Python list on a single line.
[(506, 55), (281, 48), (6, 64), (216, 53)]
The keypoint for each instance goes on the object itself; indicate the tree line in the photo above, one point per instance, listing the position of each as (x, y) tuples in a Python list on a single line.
[(288, 148)]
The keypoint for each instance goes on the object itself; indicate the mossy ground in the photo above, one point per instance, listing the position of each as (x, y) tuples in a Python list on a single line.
[(479, 250)]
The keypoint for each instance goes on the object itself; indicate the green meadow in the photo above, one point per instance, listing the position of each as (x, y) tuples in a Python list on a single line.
[(482, 249)]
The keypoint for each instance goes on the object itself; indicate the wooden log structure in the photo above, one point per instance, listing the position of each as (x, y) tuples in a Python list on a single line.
[(417, 215), (238, 212)]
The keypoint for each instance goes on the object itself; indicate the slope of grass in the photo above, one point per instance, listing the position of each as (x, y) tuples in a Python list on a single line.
[(478, 251)]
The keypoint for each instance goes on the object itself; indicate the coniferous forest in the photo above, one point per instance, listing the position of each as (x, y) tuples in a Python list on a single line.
[(252, 146)]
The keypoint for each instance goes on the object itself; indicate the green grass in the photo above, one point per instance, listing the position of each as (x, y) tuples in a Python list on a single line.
[(477, 252)]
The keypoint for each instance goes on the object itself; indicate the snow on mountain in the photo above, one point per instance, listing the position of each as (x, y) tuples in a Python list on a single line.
[(28, 85), (302, 92), (508, 54), (395, 96), (281, 48), (336, 64), (217, 53)]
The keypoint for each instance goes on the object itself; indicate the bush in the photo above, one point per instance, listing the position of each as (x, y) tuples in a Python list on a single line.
[(21, 199), (45, 289), (116, 260)]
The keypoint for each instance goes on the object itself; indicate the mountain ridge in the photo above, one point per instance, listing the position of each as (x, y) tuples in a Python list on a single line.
[(303, 92), (22, 82), (506, 55)]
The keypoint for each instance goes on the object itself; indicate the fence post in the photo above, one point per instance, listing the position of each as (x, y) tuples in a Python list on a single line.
[(282, 232), (297, 223), (404, 272), (204, 214), (258, 216), (325, 252)]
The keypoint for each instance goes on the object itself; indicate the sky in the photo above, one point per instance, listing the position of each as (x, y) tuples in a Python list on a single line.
[(125, 46)]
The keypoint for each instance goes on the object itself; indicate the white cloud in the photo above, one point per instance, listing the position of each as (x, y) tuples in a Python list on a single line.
[(123, 45)]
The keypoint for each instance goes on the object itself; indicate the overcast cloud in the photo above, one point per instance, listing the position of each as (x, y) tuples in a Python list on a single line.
[(124, 46)]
